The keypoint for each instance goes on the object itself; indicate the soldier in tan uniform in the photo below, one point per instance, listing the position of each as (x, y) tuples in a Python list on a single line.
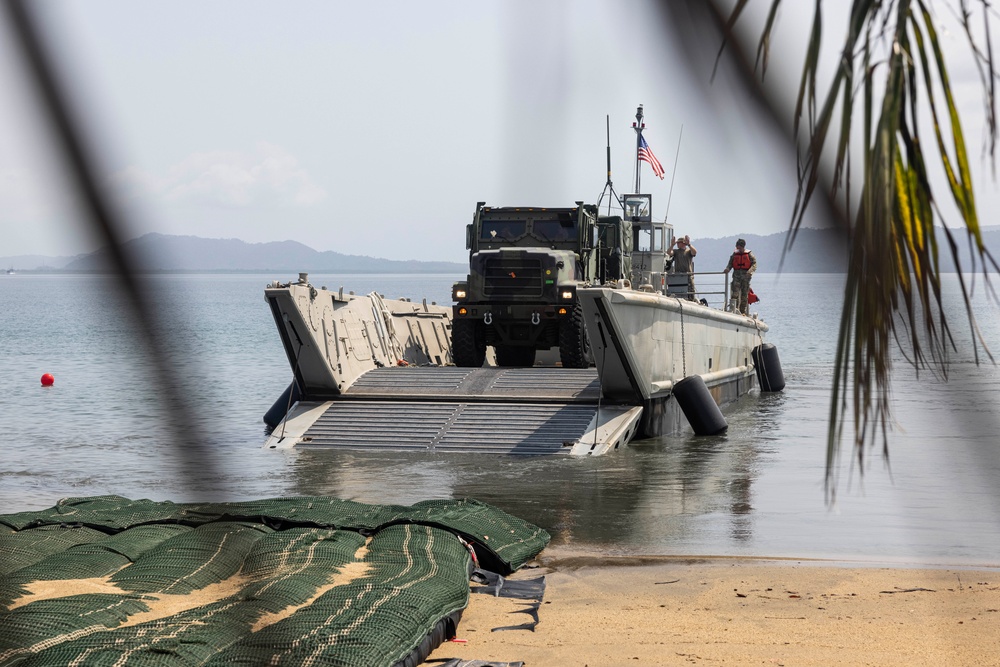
[(683, 261), (742, 263)]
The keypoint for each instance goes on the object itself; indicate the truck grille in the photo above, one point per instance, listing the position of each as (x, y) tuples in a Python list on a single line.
[(506, 278)]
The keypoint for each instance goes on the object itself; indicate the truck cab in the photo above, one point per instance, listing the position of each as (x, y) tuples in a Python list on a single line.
[(525, 264)]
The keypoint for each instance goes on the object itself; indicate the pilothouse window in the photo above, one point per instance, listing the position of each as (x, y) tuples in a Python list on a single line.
[(645, 241), (650, 239)]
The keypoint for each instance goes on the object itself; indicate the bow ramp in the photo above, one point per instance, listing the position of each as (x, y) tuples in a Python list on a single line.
[(475, 410)]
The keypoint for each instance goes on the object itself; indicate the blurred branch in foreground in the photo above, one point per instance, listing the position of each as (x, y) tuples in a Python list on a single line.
[(890, 65), (78, 159)]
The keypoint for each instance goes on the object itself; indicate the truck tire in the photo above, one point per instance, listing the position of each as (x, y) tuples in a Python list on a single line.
[(468, 348), (515, 356), (574, 346)]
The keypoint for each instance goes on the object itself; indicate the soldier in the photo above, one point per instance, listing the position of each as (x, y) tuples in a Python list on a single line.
[(743, 264), (683, 261)]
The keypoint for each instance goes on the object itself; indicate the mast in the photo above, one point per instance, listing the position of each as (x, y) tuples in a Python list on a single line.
[(673, 174), (638, 126), (608, 187), (607, 131)]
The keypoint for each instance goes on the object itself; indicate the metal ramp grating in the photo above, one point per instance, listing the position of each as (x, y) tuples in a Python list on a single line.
[(579, 379), (431, 378), (488, 384), (380, 425), (517, 429), (486, 428)]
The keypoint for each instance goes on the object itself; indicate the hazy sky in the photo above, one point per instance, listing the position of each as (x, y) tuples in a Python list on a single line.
[(374, 128)]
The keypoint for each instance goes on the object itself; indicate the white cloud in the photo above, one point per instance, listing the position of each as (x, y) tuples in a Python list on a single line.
[(267, 176)]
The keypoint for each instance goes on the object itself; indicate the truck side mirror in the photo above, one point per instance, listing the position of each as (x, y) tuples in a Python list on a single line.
[(468, 237)]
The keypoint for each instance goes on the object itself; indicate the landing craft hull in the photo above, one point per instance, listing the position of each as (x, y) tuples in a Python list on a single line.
[(332, 338), (350, 390), (645, 342), (353, 392)]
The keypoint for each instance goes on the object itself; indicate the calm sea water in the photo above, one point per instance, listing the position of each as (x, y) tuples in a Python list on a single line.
[(756, 491)]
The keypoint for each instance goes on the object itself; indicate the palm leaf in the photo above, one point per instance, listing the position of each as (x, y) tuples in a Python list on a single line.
[(892, 299)]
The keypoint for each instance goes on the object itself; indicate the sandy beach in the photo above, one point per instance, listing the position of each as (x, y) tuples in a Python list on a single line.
[(655, 611)]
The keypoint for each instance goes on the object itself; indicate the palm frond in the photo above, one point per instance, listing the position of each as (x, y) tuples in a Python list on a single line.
[(893, 298)]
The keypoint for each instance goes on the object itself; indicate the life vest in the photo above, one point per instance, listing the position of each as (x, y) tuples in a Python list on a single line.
[(741, 261)]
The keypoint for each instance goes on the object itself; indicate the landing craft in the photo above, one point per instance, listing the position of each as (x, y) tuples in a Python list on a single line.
[(637, 351)]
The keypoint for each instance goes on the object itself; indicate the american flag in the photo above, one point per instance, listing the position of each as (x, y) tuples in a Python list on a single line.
[(646, 155)]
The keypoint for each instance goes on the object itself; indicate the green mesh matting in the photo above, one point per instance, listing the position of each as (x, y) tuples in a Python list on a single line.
[(498, 536), (288, 581)]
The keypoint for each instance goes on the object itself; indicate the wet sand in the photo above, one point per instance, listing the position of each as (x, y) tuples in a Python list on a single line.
[(608, 612)]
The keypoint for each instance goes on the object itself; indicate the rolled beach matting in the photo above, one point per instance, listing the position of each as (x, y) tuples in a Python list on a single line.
[(286, 581)]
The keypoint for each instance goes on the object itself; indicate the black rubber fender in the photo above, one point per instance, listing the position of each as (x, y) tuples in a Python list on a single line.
[(768, 366), (699, 407)]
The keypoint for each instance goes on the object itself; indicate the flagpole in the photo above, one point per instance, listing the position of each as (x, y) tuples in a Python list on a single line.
[(638, 126)]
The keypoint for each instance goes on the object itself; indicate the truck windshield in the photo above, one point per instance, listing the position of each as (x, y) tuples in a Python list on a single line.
[(554, 230), (502, 230)]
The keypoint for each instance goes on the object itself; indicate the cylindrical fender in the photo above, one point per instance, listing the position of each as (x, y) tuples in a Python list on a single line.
[(769, 375), (699, 407)]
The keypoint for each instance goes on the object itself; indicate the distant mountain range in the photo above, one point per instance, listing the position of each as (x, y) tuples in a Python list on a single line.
[(191, 254), (822, 251), (814, 251)]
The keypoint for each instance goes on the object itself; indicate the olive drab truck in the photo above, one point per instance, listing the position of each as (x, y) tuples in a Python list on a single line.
[(525, 264)]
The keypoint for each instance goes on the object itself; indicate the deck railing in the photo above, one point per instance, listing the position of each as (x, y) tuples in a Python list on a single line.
[(710, 286)]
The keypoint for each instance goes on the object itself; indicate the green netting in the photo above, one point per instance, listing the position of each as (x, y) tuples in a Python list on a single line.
[(513, 541), (415, 572), (192, 560), (108, 511), (287, 568), (506, 540), (135, 542), (39, 625), (25, 547), (281, 573), (86, 561), (286, 581)]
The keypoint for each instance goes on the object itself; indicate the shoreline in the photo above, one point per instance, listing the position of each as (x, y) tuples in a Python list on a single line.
[(556, 557), (601, 611)]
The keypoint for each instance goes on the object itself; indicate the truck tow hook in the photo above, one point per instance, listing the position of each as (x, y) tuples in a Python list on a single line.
[(488, 319), (535, 318)]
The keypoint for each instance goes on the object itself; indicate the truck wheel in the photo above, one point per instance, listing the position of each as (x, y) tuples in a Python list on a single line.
[(515, 356), (468, 348), (574, 346)]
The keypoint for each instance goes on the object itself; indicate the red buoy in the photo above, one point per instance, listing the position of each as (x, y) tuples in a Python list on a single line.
[(48, 380)]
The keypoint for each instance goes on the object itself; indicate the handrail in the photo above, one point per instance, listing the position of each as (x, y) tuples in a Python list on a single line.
[(675, 284)]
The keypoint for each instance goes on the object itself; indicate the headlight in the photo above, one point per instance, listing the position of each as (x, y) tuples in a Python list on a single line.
[(566, 295), (459, 294)]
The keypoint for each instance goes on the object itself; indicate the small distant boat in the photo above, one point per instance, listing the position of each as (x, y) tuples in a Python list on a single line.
[(11, 271)]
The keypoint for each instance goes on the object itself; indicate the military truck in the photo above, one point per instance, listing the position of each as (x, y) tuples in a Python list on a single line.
[(525, 264)]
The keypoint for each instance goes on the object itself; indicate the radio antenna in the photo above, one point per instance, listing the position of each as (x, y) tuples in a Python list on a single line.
[(608, 186), (673, 175)]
